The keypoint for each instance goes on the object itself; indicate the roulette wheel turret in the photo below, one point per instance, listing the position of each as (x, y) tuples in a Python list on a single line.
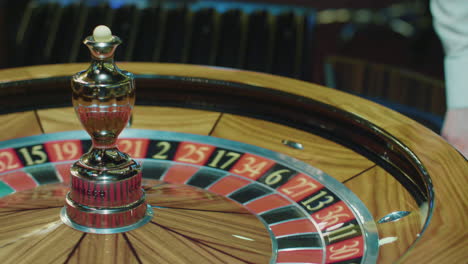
[(106, 194), (237, 167)]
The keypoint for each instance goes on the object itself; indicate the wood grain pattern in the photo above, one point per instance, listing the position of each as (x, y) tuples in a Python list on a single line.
[(209, 221), (17, 125), (59, 119), (45, 247), (332, 158), (174, 119), (383, 194), (26, 224), (241, 236), (314, 91), (104, 249), (31, 229), (444, 241), (185, 197), (379, 116), (177, 248), (191, 225), (375, 113), (38, 198), (144, 117)]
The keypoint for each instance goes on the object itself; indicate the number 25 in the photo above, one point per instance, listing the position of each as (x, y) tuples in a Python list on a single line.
[(194, 154)]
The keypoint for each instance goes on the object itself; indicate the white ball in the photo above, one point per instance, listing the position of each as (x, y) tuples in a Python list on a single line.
[(102, 34)]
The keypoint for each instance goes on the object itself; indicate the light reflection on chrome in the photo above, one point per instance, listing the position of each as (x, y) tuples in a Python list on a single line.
[(387, 240), (393, 216), (244, 238)]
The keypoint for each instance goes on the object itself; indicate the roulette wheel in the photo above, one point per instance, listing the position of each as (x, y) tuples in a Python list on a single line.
[(236, 167)]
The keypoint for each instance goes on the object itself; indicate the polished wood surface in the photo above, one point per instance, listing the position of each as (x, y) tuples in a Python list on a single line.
[(447, 235), (192, 226), (144, 117), (317, 151), (21, 124), (445, 239), (383, 194)]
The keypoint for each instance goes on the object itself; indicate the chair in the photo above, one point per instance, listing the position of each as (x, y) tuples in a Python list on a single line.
[(412, 94)]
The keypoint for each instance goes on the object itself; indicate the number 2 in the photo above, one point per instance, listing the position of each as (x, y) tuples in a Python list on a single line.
[(164, 148)]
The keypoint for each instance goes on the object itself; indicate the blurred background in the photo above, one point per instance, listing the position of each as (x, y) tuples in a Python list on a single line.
[(385, 50)]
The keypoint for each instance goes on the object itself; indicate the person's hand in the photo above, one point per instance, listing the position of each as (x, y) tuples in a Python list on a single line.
[(455, 129)]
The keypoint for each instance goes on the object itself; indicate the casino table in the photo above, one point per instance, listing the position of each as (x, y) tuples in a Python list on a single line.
[(392, 190)]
